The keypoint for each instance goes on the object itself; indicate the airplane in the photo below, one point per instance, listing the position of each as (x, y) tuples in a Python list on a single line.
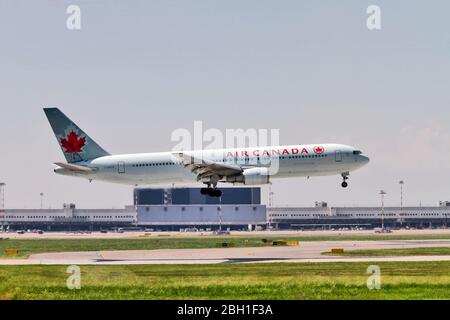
[(242, 166)]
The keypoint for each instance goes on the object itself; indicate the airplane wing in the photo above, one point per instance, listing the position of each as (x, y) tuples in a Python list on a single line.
[(206, 168), (75, 168)]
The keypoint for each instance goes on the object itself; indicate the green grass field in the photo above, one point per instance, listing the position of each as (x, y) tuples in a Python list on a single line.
[(441, 251), (27, 247), (405, 280)]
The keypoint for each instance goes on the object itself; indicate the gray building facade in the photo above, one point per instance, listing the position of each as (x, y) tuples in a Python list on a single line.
[(174, 217), (178, 208)]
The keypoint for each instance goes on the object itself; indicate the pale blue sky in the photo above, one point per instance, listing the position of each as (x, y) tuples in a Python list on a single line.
[(140, 69)]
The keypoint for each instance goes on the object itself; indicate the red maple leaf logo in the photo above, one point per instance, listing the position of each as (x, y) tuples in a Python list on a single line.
[(319, 150), (73, 143)]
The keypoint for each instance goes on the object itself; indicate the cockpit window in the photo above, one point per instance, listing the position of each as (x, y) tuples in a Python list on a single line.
[(357, 152)]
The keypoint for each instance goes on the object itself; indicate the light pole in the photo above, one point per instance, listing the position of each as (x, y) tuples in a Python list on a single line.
[(220, 214), (382, 194), (2, 196), (42, 200), (401, 182), (270, 211)]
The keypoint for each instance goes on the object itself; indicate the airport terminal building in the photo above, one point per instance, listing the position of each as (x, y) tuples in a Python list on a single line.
[(157, 209), (67, 218), (238, 209), (187, 208), (323, 217)]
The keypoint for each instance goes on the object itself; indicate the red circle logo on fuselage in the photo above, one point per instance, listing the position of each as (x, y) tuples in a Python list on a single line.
[(319, 150)]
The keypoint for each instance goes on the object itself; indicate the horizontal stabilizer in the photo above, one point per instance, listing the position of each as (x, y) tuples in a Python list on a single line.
[(75, 168)]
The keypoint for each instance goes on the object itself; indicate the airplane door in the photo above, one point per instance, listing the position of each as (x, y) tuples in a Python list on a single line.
[(121, 167), (338, 156)]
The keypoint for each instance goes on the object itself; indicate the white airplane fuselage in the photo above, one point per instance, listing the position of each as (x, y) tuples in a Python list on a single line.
[(168, 168)]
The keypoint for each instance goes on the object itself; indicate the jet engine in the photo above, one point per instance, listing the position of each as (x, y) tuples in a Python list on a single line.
[(251, 177)]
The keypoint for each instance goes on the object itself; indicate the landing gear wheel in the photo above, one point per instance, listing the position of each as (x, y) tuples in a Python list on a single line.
[(204, 191), (212, 192), (344, 183)]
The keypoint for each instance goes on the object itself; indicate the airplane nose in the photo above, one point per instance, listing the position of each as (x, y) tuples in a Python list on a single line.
[(364, 159)]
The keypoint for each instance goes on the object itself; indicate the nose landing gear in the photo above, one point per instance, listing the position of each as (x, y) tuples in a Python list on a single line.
[(344, 183)]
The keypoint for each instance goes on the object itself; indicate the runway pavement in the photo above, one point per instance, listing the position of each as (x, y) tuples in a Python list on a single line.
[(305, 252)]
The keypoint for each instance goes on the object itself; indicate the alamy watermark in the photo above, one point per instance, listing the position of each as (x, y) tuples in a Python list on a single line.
[(234, 146), (374, 280), (373, 21), (74, 279), (73, 21)]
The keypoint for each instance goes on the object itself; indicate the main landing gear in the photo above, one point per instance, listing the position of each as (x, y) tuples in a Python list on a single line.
[(212, 192), (344, 183)]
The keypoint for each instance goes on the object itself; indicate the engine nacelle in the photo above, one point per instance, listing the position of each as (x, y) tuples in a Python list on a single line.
[(256, 176), (251, 177)]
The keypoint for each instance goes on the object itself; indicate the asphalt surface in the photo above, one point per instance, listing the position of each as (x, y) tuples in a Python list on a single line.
[(305, 252)]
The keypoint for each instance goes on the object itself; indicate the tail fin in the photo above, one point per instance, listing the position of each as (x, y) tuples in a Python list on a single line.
[(76, 145)]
